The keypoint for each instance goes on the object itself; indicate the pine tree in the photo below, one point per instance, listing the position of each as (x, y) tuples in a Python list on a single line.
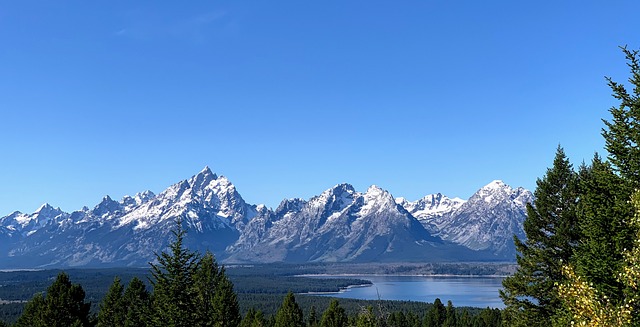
[(398, 319), (451, 319), (604, 208), (312, 320), (366, 318), (62, 306), (436, 315), (112, 310), (289, 314), (205, 283), (334, 316), (225, 302), (622, 133), (172, 279), (137, 303), (552, 234), (253, 318)]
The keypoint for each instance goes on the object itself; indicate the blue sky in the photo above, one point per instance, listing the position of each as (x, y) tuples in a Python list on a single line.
[(288, 98)]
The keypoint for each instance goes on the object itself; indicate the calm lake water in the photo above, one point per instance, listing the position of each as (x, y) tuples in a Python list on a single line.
[(462, 291)]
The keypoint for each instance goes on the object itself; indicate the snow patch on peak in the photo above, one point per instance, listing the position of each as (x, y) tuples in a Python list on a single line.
[(495, 185)]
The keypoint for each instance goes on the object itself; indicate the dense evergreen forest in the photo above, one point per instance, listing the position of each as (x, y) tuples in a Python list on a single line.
[(193, 290)]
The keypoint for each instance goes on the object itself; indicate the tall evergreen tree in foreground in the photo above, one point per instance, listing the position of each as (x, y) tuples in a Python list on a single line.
[(551, 229), (173, 290), (137, 303), (62, 306), (622, 133), (112, 310), (604, 212), (289, 314), (334, 316), (190, 290)]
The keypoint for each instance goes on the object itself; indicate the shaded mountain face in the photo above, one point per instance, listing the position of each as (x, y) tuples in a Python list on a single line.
[(339, 225)]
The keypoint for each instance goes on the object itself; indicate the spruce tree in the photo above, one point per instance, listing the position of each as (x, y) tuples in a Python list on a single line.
[(436, 315), (137, 303), (172, 280), (225, 302), (451, 319), (112, 310), (604, 208), (622, 133), (366, 318), (205, 281), (289, 314), (334, 316), (62, 306), (312, 320), (551, 236)]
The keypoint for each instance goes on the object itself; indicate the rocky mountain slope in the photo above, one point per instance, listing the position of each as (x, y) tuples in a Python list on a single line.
[(339, 225)]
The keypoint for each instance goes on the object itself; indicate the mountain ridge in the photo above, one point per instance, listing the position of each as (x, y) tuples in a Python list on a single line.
[(338, 225)]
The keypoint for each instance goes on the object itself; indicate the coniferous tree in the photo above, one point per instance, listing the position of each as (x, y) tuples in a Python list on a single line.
[(112, 310), (225, 301), (622, 133), (436, 315), (137, 303), (312, 320), (366, 318), (172, 279), (253, 318), (289, 314), (398, 319), (552, 234), (205, 282), (604, 208), (334, 316), (451, 319), (62, 306)]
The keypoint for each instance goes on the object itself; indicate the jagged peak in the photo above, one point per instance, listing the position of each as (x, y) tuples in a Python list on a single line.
[(45, 207), (107, 198), (495, 185)]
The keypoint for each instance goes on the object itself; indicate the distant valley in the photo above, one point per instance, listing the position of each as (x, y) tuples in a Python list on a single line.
[(339, 225)]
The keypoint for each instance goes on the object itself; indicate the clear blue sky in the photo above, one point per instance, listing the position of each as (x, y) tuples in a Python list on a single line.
[(288, 98)]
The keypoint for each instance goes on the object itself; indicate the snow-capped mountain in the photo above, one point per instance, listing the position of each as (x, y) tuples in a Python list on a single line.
[(130, 231), (489, 219), (340, 224), (432, 210)]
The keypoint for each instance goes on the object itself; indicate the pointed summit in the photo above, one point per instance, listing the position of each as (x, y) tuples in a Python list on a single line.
[(203, 178), (46, 207)]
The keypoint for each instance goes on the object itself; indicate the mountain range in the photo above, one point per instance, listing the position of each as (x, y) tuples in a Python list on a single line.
[(339, 225)]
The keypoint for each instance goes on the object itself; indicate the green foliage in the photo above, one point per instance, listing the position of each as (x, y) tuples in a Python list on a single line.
[(436, 316), (225, 302), (112, 310), (173, 284), (137, 303), (62, 306), (604, 209), (451, 318), (334, 316), (622, 133), (253, 318), (366, 318), (551, 230), (289, 314)]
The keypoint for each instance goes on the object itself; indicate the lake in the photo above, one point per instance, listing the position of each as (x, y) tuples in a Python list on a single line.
[(462, 291)]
